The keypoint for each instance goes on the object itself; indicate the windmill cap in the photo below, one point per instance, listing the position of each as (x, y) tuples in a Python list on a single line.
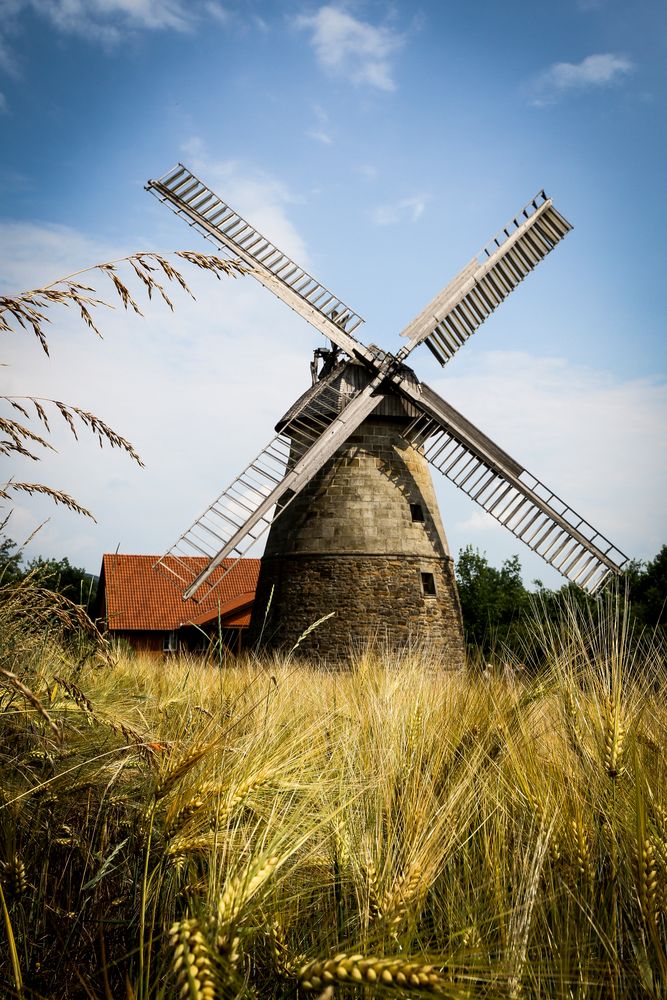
[(348, 377)]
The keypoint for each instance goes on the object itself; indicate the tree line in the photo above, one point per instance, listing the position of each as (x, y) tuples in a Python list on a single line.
[(58, 575), (496, 604)]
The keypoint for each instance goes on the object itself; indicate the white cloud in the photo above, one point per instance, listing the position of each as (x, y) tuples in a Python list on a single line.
[(8, 61), (352, 49), (368, 171), (218, 12), (320, 133), (592, 73), (4, 107), (406, 209), (256, 195), (595, 439), (319, 136), (105, 21)]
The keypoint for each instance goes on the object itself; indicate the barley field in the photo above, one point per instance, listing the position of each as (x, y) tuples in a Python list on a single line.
[(267, 828)]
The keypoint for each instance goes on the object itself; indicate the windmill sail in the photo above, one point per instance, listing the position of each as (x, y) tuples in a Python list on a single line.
[(246, 509), (460, 308), (216, 221), (515, 498), (487, 474)]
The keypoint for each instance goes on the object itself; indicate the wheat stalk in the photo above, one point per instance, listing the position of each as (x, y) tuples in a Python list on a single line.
[(192, 963), (311, 628), (10, 679), (402, 897), (647, 880), (357, 970), (242, 888), (178, 767), (286, 964), (613, 739), (583, 850), (14, 876)]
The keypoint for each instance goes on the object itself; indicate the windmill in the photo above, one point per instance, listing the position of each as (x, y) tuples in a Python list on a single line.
[(344, 485)]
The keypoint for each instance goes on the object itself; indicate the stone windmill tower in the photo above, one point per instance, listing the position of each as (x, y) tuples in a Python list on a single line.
[(344, 486), (364, 538)]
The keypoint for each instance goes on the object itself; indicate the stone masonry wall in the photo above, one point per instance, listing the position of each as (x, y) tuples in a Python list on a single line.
[(360, 501), (349, 543), (377, 600)]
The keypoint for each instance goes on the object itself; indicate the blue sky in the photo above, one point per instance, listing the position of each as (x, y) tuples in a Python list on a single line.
[(381, 145)]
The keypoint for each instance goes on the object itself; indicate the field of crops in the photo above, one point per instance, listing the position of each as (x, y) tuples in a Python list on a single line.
[(172, 828)]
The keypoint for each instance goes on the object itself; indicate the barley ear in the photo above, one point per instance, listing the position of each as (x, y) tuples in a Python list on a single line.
[(192, 964)]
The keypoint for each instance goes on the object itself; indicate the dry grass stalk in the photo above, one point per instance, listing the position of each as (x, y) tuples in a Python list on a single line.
[(76, 694), (10, 680), (27, 309), (19, 435), (39, 489)]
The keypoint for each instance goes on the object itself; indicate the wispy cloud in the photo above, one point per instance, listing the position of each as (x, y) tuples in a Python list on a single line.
[(257, 195), (352, 49), (8, 61), (218, 12), (368, 170), (106, 21), (4, 108), (404, 210), (595, 72), (320, 136), (320, 131)]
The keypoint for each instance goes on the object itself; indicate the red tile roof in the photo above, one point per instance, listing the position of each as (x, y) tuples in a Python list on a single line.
[(139, 597)]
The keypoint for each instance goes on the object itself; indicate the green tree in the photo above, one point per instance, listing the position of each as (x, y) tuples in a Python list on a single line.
[(59, 575), (648, 589), (492, 600), (10, 561)]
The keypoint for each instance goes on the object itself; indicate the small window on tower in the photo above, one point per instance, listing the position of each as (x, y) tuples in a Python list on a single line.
[(417, 512), (428, 585)]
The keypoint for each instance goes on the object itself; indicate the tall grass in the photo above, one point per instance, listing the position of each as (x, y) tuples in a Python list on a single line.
[(174, 829)]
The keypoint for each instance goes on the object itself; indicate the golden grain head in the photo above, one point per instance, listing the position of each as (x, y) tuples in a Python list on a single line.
[(389, 972)]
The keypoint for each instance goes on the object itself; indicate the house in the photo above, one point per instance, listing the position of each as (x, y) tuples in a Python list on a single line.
[(143, 605)]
